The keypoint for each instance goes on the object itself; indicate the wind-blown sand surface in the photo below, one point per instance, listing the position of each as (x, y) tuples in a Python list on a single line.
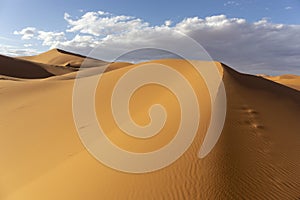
[(256, 157), (63, 58), (22, 69), (289, 80)]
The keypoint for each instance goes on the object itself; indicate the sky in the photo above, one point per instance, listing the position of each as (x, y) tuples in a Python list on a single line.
[(253, 36)]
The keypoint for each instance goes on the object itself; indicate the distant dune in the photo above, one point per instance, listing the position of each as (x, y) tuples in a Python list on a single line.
[(256, 157), (60, 57), (22, 69), (289, 80)]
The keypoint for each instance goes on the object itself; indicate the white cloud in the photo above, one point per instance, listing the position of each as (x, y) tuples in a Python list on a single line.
[(231, 3), (258, 47), (28, 45), (51, 39), (16, 51), (27, 33), (168, 22), (288, 8), (81, 41), (102, 23)]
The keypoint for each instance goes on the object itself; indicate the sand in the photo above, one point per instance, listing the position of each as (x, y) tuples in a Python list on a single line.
[(60, 57), (22, 69), (289, 80), (256, 157)]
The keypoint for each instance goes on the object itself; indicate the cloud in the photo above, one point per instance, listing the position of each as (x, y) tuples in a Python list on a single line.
[(51, 39), (168, 22), (28, 45), (102, 23), (27, 33), (231, 3), (259, 47), (288, 8), (16, 51), (254, 47)]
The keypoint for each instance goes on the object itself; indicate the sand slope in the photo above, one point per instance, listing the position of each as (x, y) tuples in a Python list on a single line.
[(60, 57), (289, 80), (60, 62), (256, 157), (22, 69)]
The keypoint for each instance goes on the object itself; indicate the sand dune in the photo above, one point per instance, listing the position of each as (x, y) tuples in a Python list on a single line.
[(55, 62), (60, 57), (92, 71), (22, 69), (60, 62), (289, 80), (256, 157)]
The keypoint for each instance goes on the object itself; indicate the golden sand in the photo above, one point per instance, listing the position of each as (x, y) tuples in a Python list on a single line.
[(42, 157)]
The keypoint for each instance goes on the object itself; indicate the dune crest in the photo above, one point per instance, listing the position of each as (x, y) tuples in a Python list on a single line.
[(60, 57)]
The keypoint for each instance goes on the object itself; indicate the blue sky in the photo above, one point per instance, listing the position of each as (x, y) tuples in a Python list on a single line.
[(18, 13), (52, 22)]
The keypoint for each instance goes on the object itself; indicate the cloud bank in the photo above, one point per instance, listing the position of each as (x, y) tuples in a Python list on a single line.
[(258, 47)]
